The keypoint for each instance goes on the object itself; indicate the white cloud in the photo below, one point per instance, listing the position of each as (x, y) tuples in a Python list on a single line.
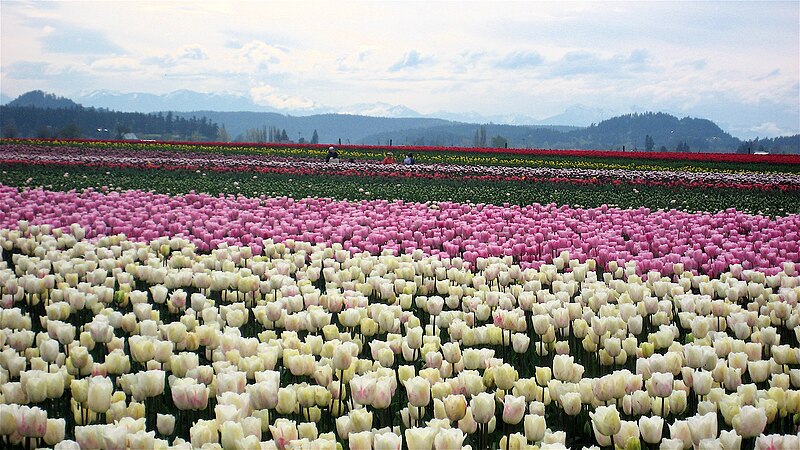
[(120, 64), (770, 129), (258, 56), (495, 58), (266, 95), (410, 60)]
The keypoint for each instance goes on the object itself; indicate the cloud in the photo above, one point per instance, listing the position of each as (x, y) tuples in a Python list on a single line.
[(773, 74), (520, 60), (696, 64), (121, 64), (77, 40), (267, 95), (35, 70), (360, 59), (591, 63), (258, 56), (771, 129), (409, 60), (182, 55)]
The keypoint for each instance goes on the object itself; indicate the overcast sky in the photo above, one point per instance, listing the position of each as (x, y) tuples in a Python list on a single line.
[(737, 63)]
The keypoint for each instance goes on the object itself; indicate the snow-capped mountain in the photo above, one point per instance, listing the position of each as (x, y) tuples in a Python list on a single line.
[(182, 100), (187, 100), (379, 109), (579, 115)]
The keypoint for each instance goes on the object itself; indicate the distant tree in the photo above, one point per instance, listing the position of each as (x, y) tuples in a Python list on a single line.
[(315, 138), (71, 131), (682, 147), (744, 147), (120, 130), (256, 135), (222, 134), (284, 136), (499, 142), (10, 130), (649, 144), (44, 132), (480, 136), (662, 148)]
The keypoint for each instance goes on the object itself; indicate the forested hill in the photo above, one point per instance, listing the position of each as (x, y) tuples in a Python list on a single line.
[(37, 114), (665, 131), (648, 131), (40, 99)]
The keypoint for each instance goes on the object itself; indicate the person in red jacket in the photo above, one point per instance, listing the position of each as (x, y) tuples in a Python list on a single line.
[(389, 159)]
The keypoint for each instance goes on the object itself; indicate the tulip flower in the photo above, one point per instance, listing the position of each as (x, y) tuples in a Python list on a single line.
[(99, 394), (419, 391), (420, 438), (505, 376), (283, 431), (387, 441), (455, 407), (750, 421), (651, 428), (165, 424), (660, 384), (605, 419), (30, 422), (483, 407), (55, 431), (361, 440), (513, 409), (535, 427)]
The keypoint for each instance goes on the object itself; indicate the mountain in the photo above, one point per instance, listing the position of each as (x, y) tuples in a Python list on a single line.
[(42, 115), (627, 131), (474, 117), (40, 99), (330, 127), (579, 115), (28, 116), (380, 109), (183, 100)]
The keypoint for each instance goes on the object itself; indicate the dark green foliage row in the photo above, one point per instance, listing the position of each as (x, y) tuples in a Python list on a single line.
[(773, 203)]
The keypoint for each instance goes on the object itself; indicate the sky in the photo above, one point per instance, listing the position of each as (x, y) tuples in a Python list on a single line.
[(734, 62)]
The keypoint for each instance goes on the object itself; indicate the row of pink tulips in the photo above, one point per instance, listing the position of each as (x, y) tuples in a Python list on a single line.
[(708, 243)]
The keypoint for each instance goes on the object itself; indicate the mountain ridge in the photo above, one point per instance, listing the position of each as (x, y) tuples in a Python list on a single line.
[(629, 131)]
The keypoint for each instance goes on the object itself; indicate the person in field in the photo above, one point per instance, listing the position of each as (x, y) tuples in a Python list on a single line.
[(389, 159), (332, 156), (409, 159)]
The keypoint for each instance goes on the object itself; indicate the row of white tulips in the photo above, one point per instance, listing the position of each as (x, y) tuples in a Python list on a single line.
[(118, 344)]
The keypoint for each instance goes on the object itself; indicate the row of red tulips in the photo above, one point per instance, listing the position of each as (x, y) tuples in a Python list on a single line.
[(671, 156)]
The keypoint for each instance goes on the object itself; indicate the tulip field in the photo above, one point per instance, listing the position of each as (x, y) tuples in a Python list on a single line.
[(238, 296)]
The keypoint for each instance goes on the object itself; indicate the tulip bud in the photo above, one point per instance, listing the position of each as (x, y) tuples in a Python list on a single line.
[(165, 423), (483, 407), (513, 409), (455, 407), (99, 394), (535, 427), (606, 420)]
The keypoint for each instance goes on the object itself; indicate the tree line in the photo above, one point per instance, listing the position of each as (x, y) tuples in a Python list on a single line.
[(98, 123), (649, 132)]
